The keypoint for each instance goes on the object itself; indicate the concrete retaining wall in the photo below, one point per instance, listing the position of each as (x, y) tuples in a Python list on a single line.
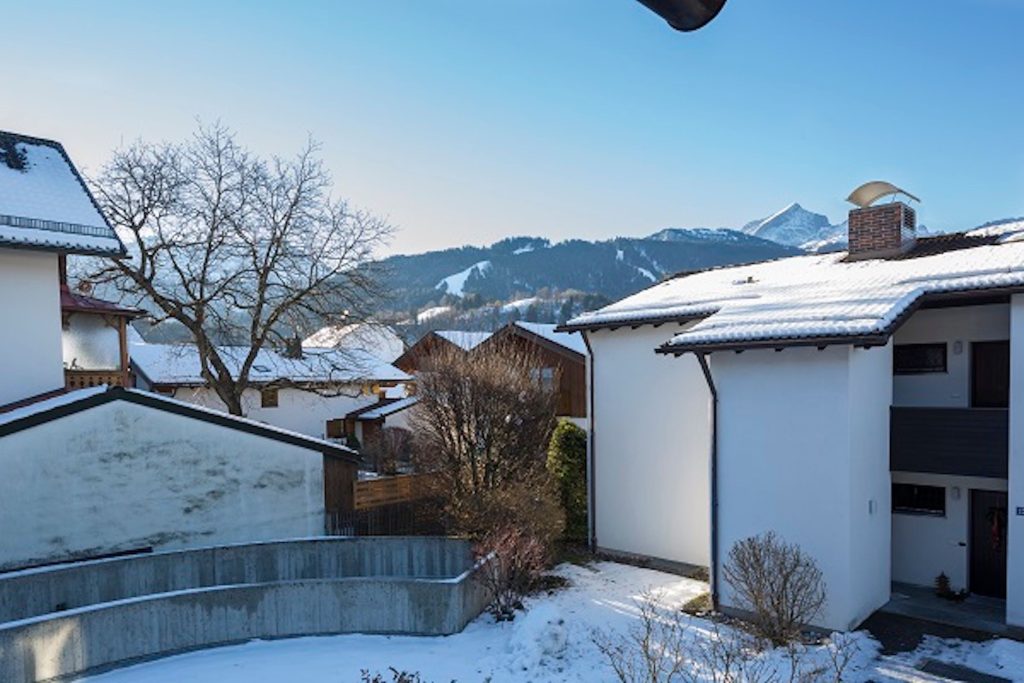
[(34, 592), (420, 586)]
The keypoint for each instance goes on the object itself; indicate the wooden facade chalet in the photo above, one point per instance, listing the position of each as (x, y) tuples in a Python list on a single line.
[(568, 366), (561, 357)]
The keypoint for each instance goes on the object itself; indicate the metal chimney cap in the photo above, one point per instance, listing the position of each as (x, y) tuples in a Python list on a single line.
[(870, 192)]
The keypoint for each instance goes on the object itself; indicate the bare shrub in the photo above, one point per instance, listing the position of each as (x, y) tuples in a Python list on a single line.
[(668, 647), (654, 651), (396, 676), (779, 584), (516, 562), (841, 650), (723, 655), (389, 451), (482, 427)]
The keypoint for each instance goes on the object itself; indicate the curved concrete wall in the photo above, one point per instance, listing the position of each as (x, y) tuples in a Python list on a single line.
[(61, 587), (214, 596)]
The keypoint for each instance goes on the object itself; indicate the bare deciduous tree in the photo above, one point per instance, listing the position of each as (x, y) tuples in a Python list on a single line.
[(482, 426), (236, 248), (778, 583)]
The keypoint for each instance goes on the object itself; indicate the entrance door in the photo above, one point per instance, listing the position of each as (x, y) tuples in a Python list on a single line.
[(990, 374), (988, 543)]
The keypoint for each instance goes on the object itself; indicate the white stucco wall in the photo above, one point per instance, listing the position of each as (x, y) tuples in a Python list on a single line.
[(30, 336), (122, 476), (652, 445), (870, 383), (966, 324), (1015, 528), (90, 343), (301, 411), (803, 451), (923, 546)]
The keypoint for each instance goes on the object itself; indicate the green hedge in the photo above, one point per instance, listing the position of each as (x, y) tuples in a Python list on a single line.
[(567, 462)]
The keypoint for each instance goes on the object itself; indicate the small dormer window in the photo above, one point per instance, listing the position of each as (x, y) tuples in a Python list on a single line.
[(261, 368)]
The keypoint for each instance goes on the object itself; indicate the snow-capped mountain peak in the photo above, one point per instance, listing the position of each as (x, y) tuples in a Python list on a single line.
[(795, 226)]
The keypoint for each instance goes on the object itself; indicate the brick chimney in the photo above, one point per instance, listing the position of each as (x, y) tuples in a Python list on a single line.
[(881, 231)]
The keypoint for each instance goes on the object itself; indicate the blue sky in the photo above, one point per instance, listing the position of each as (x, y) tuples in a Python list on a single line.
[(465, 122)]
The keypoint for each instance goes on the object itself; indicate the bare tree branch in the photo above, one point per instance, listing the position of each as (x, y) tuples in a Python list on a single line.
[(237, 249)]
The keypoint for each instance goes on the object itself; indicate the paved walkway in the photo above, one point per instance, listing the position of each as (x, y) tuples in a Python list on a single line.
[(976, 613)]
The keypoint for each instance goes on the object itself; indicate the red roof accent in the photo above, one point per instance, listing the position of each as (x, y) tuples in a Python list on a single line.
[(74, 302), (8, 407)]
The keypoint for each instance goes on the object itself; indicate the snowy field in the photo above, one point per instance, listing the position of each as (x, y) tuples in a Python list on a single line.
[(552, 643)]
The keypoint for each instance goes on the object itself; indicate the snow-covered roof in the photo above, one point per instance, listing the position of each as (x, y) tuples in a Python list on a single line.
[(379, 340), (466, 341), (57, 401), (178, 364), (104, 393), (45, 204), (570, 340), (390, 408), (820, 296)]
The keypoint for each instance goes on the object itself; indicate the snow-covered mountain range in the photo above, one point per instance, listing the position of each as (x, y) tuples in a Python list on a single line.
[(533, 278)]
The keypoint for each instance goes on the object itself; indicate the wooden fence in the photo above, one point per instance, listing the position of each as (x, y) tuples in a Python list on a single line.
[(402, 488)]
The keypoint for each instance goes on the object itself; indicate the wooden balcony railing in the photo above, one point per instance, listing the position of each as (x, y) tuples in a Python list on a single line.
[(83, 379), (963, 441)]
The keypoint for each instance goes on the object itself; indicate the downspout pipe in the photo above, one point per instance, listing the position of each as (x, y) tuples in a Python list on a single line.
[(591, 489), (702, 358)]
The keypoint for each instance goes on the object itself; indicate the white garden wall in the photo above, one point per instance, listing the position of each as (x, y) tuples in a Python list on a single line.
[(652, 440), (30, 363), (923, 546), (122, 476), (1015, 529), (803, 451), (966, 324)]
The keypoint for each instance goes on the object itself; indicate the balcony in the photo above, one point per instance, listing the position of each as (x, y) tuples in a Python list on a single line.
[(962, 441), (83, 379)]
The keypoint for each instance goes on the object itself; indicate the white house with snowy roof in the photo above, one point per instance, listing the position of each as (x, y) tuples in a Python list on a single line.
[(45, 212), (866, 405), (301, 394), (378, 339), (101, 470)]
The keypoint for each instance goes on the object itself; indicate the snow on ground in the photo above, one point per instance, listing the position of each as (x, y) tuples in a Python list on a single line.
[(552, 642)]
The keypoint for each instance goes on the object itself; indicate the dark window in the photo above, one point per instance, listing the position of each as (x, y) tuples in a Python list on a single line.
[(913, 359), (990, 374), (268, 397), (916, 499)]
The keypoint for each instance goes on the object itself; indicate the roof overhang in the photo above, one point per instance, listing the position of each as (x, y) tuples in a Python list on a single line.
[(952, 298), (516, 330), (632, 323)]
